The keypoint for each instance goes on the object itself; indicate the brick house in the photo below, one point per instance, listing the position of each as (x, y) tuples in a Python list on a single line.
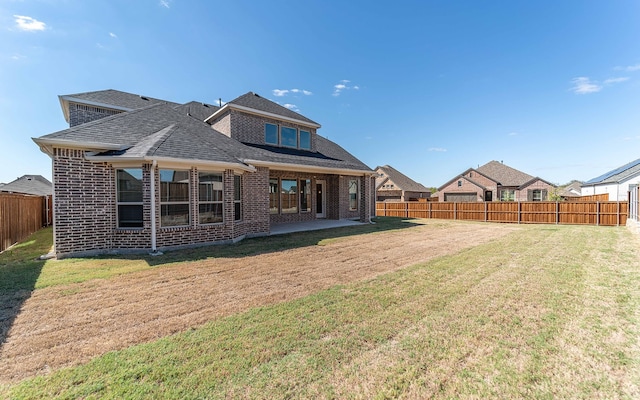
[(134, 173), (494, 181), (393, 185)]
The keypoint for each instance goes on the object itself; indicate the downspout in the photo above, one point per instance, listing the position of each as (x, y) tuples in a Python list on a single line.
[(154, 249)]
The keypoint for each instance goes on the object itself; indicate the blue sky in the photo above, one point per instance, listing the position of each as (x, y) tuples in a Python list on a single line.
[(429, 87)]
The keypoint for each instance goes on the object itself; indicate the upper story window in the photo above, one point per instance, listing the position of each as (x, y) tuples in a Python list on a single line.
[(305, 140), (287, 136), (271, 134)]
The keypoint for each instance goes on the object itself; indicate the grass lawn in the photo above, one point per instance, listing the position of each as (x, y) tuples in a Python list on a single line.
[(544, 312)]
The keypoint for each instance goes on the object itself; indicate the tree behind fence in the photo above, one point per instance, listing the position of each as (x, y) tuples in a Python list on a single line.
[(21, 215)]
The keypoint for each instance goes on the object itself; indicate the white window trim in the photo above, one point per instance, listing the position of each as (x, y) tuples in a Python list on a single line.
[(221, 202), (128, 203), (169, 203)]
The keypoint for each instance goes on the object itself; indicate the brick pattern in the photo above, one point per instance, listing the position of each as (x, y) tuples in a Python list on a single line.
[(249, 128), (84, 205), (81, 113), (300, 216)]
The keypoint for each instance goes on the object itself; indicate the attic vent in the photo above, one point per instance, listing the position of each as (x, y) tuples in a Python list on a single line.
[(144, 98), (205, 105), (256, 94)]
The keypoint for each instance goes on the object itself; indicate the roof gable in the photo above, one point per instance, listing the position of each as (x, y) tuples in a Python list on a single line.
[(400, 180), (503, 174), (256, 102)]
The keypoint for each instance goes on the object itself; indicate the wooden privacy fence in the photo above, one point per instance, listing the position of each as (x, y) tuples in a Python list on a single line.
[(21, 215), (610, 213)]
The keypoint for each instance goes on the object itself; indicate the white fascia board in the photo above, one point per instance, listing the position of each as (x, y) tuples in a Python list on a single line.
[(47, 145), (309, 168), (171, 162), (260, 113)]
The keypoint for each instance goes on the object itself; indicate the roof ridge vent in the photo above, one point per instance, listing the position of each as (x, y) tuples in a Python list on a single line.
[(144, 98)]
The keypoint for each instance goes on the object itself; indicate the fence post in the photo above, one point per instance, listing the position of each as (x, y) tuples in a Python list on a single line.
[(557, 212), (406, 210), (597, 213), (519, 211), (454, 211), (618, 216), (429, 209)]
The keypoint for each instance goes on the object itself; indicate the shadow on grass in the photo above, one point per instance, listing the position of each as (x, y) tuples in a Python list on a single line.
[(19, 272), (271, 244)]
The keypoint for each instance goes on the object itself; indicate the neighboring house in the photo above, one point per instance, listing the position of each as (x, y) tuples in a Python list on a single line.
[(137, 173), (615, 182), (494, 181), (570, 191), (29, 184), (393, 185)]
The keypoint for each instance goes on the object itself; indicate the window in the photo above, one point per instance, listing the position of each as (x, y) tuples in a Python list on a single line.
[(288, 136), (174, 198), (305, 195), (305, 140), (507, 195), (353, 194), (210, 197), (459, 183), (536, 195), (289, 196), (274, 196), (271, 134), (237, 197), (129, 197)]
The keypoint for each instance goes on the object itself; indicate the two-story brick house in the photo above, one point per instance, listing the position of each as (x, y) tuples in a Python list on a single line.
[(135, 173), (494, 181)]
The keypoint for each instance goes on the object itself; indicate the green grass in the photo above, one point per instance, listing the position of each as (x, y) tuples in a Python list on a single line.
[(540, 313)]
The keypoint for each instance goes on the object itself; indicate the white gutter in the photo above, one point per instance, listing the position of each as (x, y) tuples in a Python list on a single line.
[(308, 168), (153, 206)]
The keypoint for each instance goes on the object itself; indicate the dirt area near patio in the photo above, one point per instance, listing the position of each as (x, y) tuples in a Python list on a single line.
[(70, 324)]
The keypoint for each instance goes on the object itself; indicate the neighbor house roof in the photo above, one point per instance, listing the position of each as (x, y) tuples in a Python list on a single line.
[(399, 179), (503, 174), (29, 184), (617, 175), (197, 110)]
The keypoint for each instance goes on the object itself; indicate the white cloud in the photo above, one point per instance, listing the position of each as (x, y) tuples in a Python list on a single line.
[(165, 3), (29, 24), (629, 68), (513, 133), (113, 35), (584, 85), (291, 107), (437, 149), (18, 57), (616, 80), (343, 85), (284, 92), (280, 92)]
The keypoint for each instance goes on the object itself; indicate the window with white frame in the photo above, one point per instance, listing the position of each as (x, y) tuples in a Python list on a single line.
[(174, 198), (210, 199), (274, 196), (129, 198), (289, 196), (354, 198), (237, 197), (305, 195), (507, 195)]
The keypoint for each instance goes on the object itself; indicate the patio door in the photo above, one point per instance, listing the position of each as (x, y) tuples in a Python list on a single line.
[(321, 199)]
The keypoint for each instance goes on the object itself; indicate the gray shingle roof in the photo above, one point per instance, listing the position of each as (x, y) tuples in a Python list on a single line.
[(503, 174), (401, 181), (199, 111), (617, 175), (29, 184), (117, 98), (255, 101), (162, 131)]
